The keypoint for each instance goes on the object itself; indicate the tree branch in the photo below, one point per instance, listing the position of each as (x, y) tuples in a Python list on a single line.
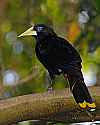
[(57, 106)]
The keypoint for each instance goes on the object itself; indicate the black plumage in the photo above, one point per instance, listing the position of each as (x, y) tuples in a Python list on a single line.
[(59, 56)]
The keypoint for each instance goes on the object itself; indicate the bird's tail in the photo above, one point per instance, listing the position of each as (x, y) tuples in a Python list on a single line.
[(79, 90)]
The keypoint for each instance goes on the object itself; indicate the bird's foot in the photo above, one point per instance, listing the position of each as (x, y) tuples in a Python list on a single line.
[(50, 89)]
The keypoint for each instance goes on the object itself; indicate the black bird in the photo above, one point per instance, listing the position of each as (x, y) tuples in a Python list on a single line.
[(59, 56)]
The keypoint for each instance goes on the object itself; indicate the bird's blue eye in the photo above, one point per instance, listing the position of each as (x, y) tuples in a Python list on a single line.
[(40, 28)]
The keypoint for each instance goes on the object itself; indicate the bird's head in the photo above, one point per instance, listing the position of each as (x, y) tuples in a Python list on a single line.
[(39, 31)]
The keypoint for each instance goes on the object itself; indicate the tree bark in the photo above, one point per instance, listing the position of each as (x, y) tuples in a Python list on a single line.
[(56, 106)]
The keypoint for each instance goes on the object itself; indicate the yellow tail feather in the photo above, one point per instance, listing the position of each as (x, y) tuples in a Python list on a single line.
[(82, 105), (91, 105)]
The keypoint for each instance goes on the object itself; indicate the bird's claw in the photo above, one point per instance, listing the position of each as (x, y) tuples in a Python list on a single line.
[(50, 89)]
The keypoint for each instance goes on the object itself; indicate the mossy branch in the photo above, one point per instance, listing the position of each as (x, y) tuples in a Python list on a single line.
[(57, 106)]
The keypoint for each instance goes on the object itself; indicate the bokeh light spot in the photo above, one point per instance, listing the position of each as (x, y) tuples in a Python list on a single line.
[(10, 77)]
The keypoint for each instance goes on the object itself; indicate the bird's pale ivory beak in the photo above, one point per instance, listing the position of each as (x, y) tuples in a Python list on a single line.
[(29, 32)]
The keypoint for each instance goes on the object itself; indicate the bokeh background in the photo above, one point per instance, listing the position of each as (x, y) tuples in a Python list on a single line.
[(76, 20)]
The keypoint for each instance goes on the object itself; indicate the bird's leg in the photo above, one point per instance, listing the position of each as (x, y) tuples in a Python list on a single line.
[(51, 79), (66, 78), (51, 83)]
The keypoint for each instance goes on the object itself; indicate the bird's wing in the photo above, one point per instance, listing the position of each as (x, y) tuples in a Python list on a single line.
[(43, 60), (65, 50)]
